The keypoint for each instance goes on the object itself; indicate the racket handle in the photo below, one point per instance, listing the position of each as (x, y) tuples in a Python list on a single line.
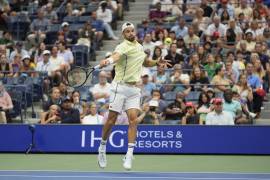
[(97, 66)]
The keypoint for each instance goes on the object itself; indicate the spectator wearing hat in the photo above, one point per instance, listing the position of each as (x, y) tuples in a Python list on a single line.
[(28, 66), (5, 104), (44, 65), (218, 116), (68, 35), (181, 30), (68, 114), (19, 50), (191, 116), (38, 29), (105, 14)]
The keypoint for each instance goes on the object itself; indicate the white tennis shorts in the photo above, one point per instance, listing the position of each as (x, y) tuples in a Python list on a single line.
[(124, 97)]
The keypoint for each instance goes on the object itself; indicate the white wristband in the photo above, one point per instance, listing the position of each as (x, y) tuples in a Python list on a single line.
[(110, 60)]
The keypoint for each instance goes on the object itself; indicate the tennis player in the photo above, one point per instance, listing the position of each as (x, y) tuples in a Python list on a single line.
[(128, 57)]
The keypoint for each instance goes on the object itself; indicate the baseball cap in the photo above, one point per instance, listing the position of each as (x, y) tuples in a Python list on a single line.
[(210, 90), (46, 52), (65, 24), (217, 101), (126, 25), (26, 57), (66, 99), (189, 104)]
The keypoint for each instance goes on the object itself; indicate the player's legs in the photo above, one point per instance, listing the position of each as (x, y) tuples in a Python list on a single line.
[(109, 124)]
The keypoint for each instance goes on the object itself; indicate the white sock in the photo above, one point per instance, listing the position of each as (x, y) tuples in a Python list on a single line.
[(130, 148), (102, 146)]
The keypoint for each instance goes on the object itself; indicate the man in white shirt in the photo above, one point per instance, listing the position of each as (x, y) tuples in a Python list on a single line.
[(218, 116), (57, 62), (45, 65), (93, 117), (101, 91), (148, 45), (216, 28), (66, 54)]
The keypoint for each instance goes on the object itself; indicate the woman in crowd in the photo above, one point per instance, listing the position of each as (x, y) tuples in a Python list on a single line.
[(51, 116)]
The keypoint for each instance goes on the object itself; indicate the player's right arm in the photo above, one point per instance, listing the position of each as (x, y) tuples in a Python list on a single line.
[(111, 60)]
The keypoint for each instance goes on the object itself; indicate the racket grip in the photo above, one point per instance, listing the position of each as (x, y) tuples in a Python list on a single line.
[(97, 66)]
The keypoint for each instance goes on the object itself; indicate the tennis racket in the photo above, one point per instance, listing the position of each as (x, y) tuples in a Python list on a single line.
[(77, 76)]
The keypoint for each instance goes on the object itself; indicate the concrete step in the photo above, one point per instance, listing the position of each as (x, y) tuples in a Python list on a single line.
[(265, 114), (262, 121)]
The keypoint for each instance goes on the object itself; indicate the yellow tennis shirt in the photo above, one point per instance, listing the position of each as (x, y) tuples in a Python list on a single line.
[(129, 67)]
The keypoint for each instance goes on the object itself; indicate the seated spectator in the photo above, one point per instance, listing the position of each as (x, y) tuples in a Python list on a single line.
[(166, 5), (198, 80), (180, 79), (98, 26), (215, 30), (233, 107), (181, 30), (147, 86), (68, 114), (220, 82), (231, 73), (38, 29), (50, 13), (257, 32), (144, 30), (77, 103), (191, 39), (16, 65), (5, 67), (256, 85), (149, 114), (207, 9), (173, 56), (53, 99), (191, 116), (226, 7), (204, 105), (93, 117), (66, 54), (58, 66), (148, 45), (68, 35), (86, 35), (243, 8), (160, 76), (7, 40), (175, 110), (63, 90), (200, 19), (157, 15), (5, 104), (218, 116), (194, 61), (156, 96), (51, 116), (211, 93), (28, 67), (248, 40), (5, 9), (105, 14), (38, 53), (101, 90), (19, 50)]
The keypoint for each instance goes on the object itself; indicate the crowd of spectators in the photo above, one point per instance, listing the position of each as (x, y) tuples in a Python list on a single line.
[(219, 51)]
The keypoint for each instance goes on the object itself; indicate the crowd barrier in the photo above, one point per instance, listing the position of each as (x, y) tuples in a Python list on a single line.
[(151, 139)]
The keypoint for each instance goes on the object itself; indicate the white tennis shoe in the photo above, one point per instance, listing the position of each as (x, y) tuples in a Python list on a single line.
[(102, 160), (127, 162)]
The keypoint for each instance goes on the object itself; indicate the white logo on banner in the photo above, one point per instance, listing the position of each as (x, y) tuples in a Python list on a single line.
[(145, 139)]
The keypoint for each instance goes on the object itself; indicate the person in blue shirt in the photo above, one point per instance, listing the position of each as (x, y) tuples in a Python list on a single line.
[(255, 83)]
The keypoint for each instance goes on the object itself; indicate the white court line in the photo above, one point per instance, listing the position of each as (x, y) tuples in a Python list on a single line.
[(152, 172), (106, 177)]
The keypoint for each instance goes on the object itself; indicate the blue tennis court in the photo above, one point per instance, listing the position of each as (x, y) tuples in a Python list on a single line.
[(46, 175)]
